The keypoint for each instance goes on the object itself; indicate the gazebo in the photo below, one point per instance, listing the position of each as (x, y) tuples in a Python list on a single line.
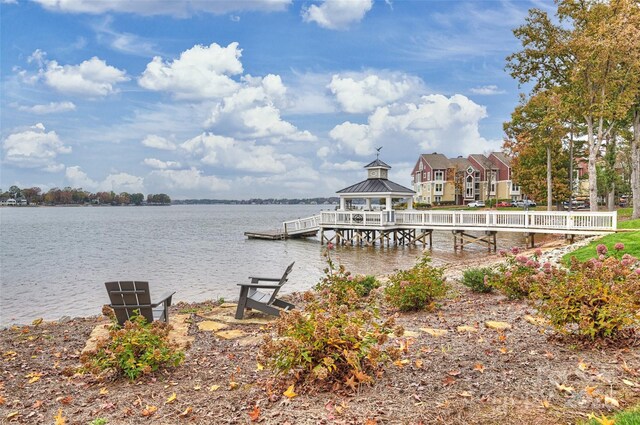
[(376, 186)]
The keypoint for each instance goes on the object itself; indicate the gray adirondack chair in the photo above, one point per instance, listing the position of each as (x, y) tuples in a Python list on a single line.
[(251, 297), (128, 296)]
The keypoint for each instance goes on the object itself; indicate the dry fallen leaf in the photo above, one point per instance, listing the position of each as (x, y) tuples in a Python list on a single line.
[(564, 389), (104, 391), (65, 400), (214, 388), (233, 385), (351, 382), (545, 404), (448, 380), (12, 415), (370, 422), (36, 404), (504, 350), (583, 366), (259, 367), (149, 410), (171, 399), (465, 394), (610, 400), (419, 363), (60, 420), (290, 392), (401, 363), (186, 412), (2, 400), (479, 367), (254, 415), (590, 390), (630, 383), (603, 420), (35, 376)]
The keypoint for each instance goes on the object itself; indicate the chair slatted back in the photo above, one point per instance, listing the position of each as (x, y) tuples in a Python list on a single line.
[(282, 281), (130, 293)]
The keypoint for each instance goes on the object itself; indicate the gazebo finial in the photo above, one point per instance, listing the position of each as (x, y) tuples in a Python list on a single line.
[(378, 152)]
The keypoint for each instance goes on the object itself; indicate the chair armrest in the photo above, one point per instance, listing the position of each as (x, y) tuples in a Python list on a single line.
[(164, 298), (130, 306), (257, 285), (267, 279)]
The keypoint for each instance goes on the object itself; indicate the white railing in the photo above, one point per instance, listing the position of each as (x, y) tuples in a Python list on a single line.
[(301, 225), (598, 221)]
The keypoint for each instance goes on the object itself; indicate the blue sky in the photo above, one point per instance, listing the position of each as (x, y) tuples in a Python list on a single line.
[(247, 98)]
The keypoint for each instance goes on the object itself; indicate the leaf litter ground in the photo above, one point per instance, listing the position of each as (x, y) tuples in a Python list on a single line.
[(470, 374)]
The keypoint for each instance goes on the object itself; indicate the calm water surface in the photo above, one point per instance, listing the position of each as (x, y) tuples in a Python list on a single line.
[(54, 261)]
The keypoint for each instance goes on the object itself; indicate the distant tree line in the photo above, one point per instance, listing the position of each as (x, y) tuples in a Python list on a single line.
[(78, 196), (257, 201)]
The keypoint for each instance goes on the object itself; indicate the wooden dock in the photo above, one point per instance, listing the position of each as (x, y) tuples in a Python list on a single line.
[(368, 228), (276, 235)]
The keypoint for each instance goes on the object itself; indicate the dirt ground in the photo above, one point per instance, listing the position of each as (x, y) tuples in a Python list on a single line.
[(472, 375)]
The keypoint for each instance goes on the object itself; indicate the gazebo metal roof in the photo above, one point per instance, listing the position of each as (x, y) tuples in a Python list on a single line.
[(377, 186)]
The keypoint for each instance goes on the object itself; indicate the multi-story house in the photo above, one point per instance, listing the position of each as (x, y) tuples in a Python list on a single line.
[(438, 179), (506, 188), (433, 179)]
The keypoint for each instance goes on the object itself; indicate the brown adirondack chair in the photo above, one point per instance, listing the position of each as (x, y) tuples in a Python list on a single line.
[(130, 296), (251, 297)]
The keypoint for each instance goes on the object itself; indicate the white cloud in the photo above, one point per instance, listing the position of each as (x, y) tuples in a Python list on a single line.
[(49, 108), (323, 152), (119, 182), (161, 165), (78, 178), (355, 137), (487, 90), (177, 8), (357, 93), (158, 142), (337, 14), (202, 72), (212, 149), (179, 181), (252, 112), (436, 122), (123, 41), (123, 182), (92, 77), (344, 166), (34, 148)]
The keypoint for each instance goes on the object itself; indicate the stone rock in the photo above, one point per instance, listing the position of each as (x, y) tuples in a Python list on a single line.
[(465, 328), (434, 332), (210, 325), (499, 326), (231, 334)]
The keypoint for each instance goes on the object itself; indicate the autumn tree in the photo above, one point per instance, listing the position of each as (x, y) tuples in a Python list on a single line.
[(589, 59), (534, 140)]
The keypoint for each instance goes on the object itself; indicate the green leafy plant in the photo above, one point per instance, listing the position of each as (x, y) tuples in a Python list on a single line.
[(418, 287), (349, 290), (329, 342), (596, 298), (136, 349), (98, 421), (478, 279)]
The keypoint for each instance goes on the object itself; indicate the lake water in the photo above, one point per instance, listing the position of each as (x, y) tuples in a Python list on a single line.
[(54, 260)]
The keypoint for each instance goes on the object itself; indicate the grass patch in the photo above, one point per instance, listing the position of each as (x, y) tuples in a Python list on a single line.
[(630, 240), (629, 224), (629, 416), (624, 213)]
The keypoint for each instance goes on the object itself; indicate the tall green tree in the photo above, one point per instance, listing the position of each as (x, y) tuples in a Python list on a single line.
[(586, 58)]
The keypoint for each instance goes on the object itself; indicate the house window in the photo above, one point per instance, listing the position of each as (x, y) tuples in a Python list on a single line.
[(428, 175), (438, 199), (421, 166), (515, 187), (477, 174), (438, 175), (468, 193), (417, 177), (438, 188)]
